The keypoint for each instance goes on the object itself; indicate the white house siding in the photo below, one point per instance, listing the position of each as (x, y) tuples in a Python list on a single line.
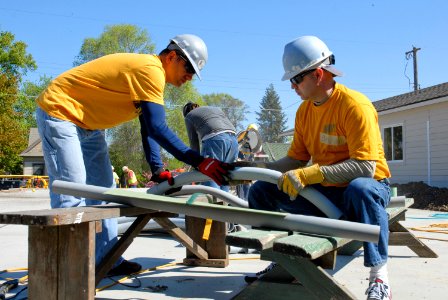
[(416, 166)]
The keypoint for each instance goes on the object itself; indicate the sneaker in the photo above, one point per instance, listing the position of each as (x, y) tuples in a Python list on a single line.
[(256, 276), (125, 268), (378, 290), (231, 227)]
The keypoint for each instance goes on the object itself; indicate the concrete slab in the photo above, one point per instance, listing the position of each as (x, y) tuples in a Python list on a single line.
[(411, 277)]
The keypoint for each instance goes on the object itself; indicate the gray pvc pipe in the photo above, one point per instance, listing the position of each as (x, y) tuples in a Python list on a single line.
[(398, 201), (249, 173), (306, 224)]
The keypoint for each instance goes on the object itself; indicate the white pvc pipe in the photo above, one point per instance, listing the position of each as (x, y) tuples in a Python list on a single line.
[(249, 173), (259, 218), (398, 201)]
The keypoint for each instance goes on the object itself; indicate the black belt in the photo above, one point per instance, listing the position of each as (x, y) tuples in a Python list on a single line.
[(385, 181)]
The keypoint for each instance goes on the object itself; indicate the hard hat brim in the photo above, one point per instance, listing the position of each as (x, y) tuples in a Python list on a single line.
[(329, 68)]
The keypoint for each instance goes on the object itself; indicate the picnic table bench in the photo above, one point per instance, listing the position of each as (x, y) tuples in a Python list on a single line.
[(61, 246), (302, 259)]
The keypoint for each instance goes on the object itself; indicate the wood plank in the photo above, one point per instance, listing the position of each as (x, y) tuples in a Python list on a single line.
[(43, 262), (120, 247), (420, 248), (309, 246), (76, 262), (215, 246), (254, 238), (72, 215), (316, 280), (61, 262), (209, 262)]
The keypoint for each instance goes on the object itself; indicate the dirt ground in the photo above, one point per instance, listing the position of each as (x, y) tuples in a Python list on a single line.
[(425, 196)]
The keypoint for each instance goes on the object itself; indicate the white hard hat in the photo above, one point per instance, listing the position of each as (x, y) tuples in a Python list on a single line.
[(113, 168), (194, 49), (307, 53), (125, 168)]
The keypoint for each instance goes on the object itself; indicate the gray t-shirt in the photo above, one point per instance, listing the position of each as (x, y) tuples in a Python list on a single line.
[(204, 121)]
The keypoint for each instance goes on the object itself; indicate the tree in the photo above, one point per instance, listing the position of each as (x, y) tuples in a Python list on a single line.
[(234, 109), (123, 38), (14, 63), (271, 119), (26, 102)]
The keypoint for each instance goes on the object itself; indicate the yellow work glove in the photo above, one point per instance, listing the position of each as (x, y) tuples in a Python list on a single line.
[(292, 182)]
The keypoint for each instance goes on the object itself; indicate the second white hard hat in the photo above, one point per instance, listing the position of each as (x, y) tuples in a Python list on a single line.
[(194, 49), (307, 53)]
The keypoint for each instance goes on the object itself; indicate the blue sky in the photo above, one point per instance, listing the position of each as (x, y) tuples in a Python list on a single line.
[(245, 39)]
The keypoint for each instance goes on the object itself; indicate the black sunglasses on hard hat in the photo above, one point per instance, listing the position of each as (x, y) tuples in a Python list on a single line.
[(188, 66), (299, 77)]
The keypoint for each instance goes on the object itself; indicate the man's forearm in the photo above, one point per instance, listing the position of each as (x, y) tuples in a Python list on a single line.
[(348, 170)]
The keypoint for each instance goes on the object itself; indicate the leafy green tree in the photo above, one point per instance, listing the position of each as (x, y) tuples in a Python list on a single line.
[(26, 102), (14, 63), (122, 38), (234, 109), (271, 119)]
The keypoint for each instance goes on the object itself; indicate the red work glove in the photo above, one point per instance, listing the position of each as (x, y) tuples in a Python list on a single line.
[(216, 170), (162, 175)]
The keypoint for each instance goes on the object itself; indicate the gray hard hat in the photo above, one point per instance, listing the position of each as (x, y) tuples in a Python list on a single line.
[(307, 53)]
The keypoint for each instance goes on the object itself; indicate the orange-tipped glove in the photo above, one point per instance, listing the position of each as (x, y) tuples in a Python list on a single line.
[(292, 182)]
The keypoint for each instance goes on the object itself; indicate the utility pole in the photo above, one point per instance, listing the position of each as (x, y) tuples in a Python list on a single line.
[(413, 53)]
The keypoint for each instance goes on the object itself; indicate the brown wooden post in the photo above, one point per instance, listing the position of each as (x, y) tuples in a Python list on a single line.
[(62, 262)]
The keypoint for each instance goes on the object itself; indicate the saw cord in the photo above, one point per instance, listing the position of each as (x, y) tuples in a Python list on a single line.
[(120, 281)]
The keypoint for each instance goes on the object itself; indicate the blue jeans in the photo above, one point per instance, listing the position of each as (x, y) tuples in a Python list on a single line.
[(223, 147), (242, 190), (78, 155), (364, 200)]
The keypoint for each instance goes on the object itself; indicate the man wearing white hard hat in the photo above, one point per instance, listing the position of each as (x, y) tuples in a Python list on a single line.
[(77, 106), (337, 149)]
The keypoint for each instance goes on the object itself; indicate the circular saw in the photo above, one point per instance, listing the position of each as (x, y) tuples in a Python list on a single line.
[(249, 140)]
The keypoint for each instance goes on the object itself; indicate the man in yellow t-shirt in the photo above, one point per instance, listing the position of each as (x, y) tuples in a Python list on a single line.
[(337, 149), (78, 105)]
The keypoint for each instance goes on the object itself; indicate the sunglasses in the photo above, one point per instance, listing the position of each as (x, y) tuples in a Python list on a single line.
[(299, 78), (188, 66)]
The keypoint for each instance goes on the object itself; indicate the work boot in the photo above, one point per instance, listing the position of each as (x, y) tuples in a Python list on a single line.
[(125, 268)]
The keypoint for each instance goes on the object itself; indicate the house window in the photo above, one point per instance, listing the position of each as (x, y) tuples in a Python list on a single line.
[(38, 169), (393, 142)]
